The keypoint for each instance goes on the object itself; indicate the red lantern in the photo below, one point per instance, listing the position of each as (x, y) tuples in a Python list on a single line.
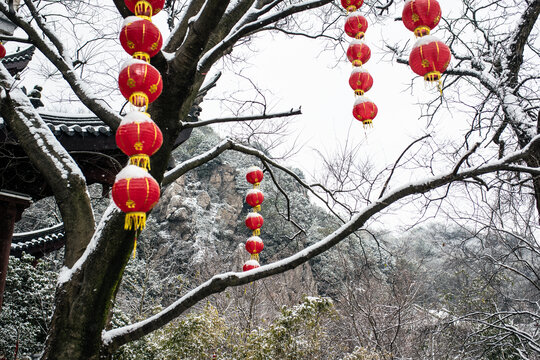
[(250, 265), (254, 245), (254, 198), (139, 138), (420, 16), (429, 58), (145, 8), (360, 80), (352, 5), (140, 82), (254, 221), (365, 110), (254, 175), (140, 38), (356, 25), (135, 192), (2, 51), (358, 53)]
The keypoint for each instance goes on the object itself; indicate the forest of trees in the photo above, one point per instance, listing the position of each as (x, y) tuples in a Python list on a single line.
[(462, 281)]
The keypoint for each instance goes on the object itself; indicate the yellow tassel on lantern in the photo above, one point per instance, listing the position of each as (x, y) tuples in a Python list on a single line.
[(138, 99), (255, 257), (135, 246), (256, 232), (140, 160), (135, 221), (257, 208), (141, 56)]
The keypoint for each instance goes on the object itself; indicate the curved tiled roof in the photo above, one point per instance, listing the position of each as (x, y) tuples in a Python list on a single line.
[(38, 243), (18, 61)]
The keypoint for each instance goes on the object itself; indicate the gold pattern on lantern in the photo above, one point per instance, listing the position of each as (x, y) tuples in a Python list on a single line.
[(131, 83), (130, 204)]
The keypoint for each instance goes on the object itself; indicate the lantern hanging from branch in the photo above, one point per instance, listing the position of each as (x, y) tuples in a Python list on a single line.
[(430, 58), (250, 265), (254, 176), (421, 16), (2, 51), (352, 5), (135, 192), (356, 25), (254, 198), (254, 221), (140, 83), (358, 52), (140, 38), (360, 81), (145, 8), (365, 110), (254, 245), (139, 138)]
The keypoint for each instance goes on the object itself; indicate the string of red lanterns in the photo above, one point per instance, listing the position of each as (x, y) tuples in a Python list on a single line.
[(254, 220), (358, 54), (135, 191), (430, 56)]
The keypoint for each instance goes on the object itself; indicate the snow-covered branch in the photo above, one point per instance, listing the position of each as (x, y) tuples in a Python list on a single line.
[(292, 112)]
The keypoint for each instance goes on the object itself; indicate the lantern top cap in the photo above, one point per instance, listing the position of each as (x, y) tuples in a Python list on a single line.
[(254, 238), (253, 214), (361, 100), (253, 263), (135, 117), (132, 172), (253, 191), (358, 42), (132, 61), (354, 14), (358, 69), (253, 168), (424, 40), (131, 19)]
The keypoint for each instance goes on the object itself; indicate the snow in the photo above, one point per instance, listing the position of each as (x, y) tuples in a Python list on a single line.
[(131, 61), (254, 238), (252, 215), (252, 263), (357, 42), (66, 273), (358, 69), (253, 168), (130, 19), (424, 40), (135, 117), (132, 172), (361, 99), (253, 191)]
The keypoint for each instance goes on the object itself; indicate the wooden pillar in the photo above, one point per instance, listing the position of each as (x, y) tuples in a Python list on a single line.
[(12, 206)]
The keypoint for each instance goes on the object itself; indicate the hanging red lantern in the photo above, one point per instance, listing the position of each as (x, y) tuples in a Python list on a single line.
[(250, 265), (254, 221), (254, 175), (254, 198), (358, 53), (421, 16), (429, 58), (352, 5), (254, 245), (140, 82), (365, 110), (360, 81), (140, 38), (139, 138), (135, 192), (356, 25), (2, 51), (145, 8)]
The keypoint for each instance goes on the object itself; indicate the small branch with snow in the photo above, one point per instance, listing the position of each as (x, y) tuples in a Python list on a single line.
[(292, 112)]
